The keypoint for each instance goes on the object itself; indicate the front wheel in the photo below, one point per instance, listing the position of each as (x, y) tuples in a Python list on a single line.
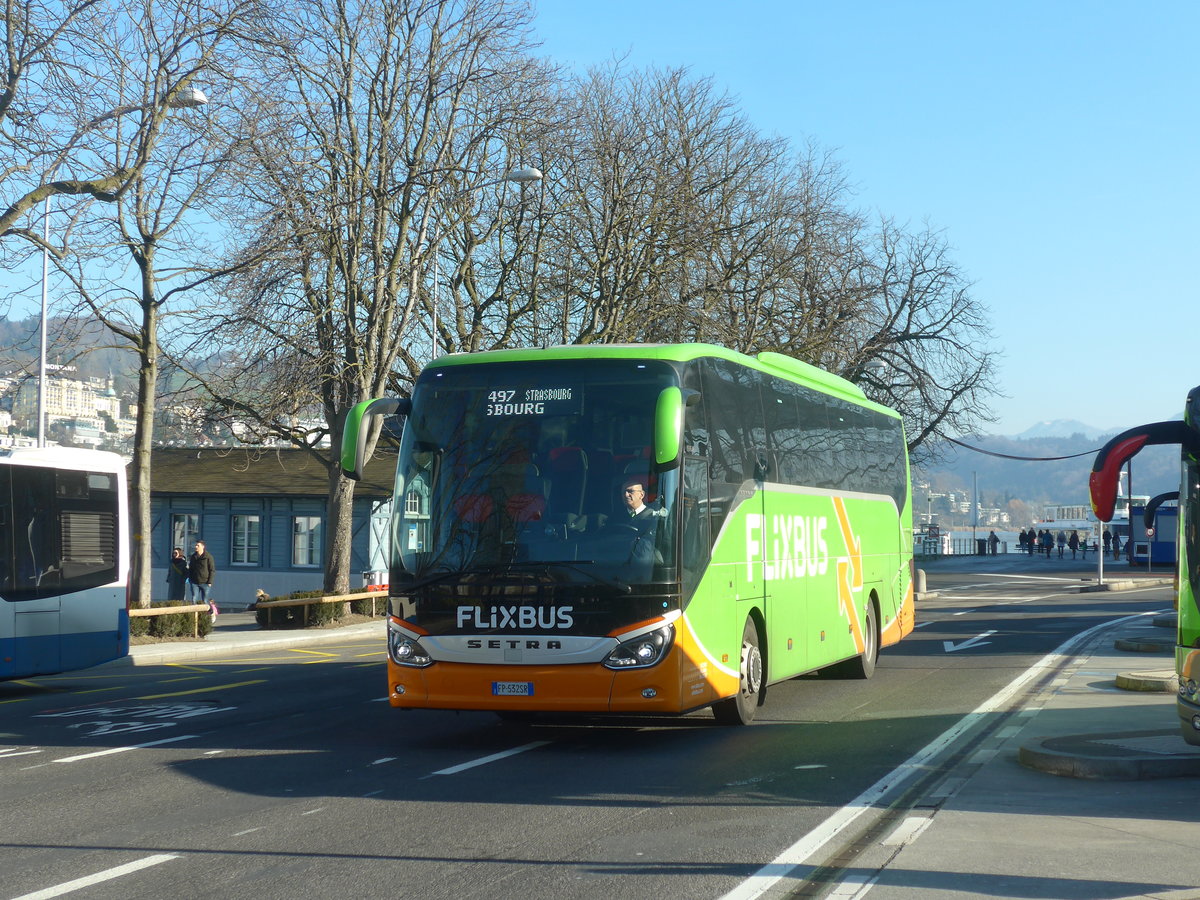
[(741, 707)]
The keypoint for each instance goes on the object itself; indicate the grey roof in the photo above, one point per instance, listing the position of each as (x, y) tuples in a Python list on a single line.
[(259, 471)]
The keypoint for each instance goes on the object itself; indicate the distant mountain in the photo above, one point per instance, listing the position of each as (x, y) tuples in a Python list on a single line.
[(1041, 470), (1062, 428)]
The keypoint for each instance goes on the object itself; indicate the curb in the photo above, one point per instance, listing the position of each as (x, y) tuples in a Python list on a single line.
[(1122, 756), (1145, 645), (157, 654), (1165, 682), (1125, 585)]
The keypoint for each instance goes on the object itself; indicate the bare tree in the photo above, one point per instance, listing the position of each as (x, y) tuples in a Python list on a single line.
[(931, 335), (673, 219), (386, 108), (70, 93), (133, 257)]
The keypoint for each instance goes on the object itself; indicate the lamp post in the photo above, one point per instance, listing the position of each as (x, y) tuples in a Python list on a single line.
[(520, 176), (189, 98)]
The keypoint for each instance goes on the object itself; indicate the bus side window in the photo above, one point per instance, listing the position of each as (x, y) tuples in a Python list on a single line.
[(35, 554), (695, 542)]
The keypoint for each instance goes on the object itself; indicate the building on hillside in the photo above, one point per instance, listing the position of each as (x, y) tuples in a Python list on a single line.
[(261, 513), (67, 398)]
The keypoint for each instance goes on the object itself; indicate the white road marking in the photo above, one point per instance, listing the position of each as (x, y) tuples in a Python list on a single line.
[(794, 856), (112, 750), (1002, 598), (107, 875), (13, 751), (907, 831), (977, 641), (462, 767)]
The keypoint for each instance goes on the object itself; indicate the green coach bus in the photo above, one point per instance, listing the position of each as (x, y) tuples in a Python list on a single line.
[(638, 529), (1103, 485)]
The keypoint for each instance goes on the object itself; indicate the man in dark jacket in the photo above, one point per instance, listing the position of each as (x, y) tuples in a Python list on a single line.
[(201, 570)]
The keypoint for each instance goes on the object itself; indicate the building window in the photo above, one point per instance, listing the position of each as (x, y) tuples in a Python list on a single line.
[(245, 540), (306, 541), (412, 504), (185, 531)]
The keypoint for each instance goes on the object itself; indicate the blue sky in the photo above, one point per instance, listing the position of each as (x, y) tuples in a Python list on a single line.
[(1055, 143)]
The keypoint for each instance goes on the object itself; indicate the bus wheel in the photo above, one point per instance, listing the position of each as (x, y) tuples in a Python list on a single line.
[(740, 708), (863, 666)]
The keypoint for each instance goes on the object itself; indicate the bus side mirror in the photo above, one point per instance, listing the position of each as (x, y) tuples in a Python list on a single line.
[(668, 428), (358, 425)]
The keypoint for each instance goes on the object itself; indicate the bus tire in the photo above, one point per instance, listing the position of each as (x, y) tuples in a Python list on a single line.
[(741, 707), (864, 666)]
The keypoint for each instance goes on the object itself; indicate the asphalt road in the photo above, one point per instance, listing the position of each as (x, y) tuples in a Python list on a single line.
[(287, 774)]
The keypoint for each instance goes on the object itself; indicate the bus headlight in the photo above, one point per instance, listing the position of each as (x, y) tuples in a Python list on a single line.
[(643, 651), (405, 650), (1188, 690)]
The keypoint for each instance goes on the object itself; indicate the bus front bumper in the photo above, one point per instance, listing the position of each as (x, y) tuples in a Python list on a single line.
[(586, 688)]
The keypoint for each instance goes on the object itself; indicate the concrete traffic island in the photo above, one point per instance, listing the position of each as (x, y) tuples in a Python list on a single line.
[(1118, 756), (1164, 681), (1145, 644)]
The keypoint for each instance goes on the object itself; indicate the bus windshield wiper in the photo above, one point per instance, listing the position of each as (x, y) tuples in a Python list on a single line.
[(429, 580), (500, 567), (576, 567)]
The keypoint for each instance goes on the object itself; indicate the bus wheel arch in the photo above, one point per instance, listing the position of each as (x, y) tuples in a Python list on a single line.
[(741, 707)]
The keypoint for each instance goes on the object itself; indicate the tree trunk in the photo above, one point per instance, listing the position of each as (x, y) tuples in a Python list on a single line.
[(139, 475), (339, 518)]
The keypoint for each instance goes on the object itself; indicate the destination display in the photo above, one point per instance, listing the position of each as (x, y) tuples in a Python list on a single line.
[(534, 401)]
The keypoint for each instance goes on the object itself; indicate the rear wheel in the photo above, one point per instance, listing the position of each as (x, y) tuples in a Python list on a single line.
[(740, 708), (863, 666)]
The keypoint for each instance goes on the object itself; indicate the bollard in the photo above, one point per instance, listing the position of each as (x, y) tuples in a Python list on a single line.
[(919, 582)]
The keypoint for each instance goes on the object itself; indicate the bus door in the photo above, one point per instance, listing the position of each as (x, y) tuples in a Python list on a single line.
[(33, 578)]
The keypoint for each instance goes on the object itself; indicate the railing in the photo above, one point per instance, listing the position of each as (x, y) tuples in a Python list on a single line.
[(194, 608), (958, 547), (306, 602)]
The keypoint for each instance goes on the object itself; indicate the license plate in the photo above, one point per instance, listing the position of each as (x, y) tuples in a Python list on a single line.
[(512, 688)]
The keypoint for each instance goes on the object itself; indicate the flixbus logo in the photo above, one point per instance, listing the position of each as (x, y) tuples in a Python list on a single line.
[(516, 617), (796, 544)]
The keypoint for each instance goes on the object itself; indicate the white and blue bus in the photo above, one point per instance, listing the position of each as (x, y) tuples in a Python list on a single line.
[(64, 560)]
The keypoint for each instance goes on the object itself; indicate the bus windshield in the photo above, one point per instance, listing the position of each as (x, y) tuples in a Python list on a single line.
[(535, 466)]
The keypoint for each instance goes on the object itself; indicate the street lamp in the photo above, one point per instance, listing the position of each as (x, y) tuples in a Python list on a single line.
[(188, 98), (519, 176)]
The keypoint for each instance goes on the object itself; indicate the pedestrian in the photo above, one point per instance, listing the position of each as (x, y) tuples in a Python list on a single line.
[(993, 542), (1062, 543), (1107, 542), (177, 573), (1116, 546), (1073, 543), (1083, 547), (1047, 542), (201, 570), (1023, 541)]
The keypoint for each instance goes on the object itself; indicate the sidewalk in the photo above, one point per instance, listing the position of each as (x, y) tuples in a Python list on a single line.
[(1088, 791), (238, 632)]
